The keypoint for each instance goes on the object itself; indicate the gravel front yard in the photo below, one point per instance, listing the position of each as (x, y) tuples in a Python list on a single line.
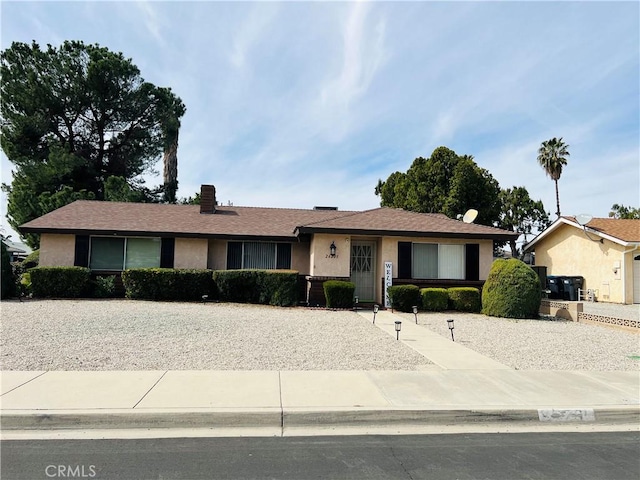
[(552, 344), (138, 335)]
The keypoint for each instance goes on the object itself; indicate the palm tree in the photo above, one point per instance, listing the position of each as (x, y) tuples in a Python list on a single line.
[(552, 157)]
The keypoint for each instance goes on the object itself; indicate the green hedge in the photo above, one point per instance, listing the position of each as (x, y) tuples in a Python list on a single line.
[(272, 287), (404, 297), (104, 286), (464, 299), (338, 293), (167, 283), (434, 299), (62, 282), (512, 290)]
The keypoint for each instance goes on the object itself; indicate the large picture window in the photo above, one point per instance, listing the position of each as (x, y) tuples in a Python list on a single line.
[(438, 261), (258, 255), (108, 253)]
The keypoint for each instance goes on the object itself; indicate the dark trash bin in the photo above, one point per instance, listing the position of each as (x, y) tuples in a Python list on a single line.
[(570, 286), (555, 286)]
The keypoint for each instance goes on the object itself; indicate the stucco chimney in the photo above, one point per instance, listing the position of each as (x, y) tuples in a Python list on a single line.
[(207, 199)]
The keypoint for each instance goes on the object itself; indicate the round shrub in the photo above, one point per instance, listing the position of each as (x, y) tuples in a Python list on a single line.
[(464, 299), (434, 299), (512, 290), (404, 297), (339, 294)]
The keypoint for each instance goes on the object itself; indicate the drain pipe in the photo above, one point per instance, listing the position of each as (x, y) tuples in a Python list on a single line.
[(624, 272)]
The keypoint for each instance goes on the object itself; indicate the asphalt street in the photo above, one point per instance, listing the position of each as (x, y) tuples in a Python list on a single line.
[(613, 455)]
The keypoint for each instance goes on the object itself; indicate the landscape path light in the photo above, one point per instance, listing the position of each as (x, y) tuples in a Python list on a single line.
[(205, 298), (376, 307), (415, 312), (450, 325), (398, 327)]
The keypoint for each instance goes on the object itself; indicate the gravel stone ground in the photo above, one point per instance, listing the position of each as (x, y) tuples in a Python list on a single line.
[(545, 344), (139, 335)]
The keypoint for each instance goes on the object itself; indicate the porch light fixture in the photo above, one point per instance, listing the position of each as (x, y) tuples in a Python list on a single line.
[(450, 325), (398, 327), (332, 249), (376, 307), (415, 312)]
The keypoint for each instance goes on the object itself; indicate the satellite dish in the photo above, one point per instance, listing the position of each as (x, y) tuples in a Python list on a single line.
[(583, 219), (470, 216)]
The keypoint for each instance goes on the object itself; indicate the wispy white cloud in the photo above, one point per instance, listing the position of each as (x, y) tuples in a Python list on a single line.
[(251, 32), (151, 19)]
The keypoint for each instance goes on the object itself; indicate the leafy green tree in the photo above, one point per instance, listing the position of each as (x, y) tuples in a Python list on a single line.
[(620, 211), (552, 156), (521, 214), (444, 183), (74, 116)]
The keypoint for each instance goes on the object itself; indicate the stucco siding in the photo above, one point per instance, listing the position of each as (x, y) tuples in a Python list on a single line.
[(217, 255), (300, 257), (57, 250), (322, 263), (567, 251), (191, 253)]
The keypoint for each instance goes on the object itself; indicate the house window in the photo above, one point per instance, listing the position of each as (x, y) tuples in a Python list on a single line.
[(437, 261), (108, 253), (431, 260), (258, 255)]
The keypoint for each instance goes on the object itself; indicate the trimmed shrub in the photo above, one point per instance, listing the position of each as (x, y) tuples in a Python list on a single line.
[(278, 287), (61, 282), (512, 290), (338, 293), (272, 287), (31, 260), (7, 281), (167, 284), (24, 285), (434, 299), (104, 287), (404, 297), (464, 299)]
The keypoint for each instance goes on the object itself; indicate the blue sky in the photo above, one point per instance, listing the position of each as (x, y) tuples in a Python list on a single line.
[(296, 104)]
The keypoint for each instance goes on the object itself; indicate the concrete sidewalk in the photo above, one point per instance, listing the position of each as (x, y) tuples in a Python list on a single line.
[(462, 388)]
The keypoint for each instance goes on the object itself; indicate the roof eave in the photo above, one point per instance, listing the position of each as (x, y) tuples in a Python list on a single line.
[(405, 233), (135, 233)]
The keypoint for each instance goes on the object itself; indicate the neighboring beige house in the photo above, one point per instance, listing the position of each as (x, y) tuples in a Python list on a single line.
[(605, 251), (322, 243)]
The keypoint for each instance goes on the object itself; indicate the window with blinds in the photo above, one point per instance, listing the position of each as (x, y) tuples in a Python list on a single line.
[(108, 253), (438, 261), (258, 255)]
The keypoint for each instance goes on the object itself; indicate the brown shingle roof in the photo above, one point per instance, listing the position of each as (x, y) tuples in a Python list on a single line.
[(158, 219), (622, 229), (395, 221)]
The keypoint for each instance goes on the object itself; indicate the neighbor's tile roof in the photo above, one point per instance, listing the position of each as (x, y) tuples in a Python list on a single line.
[(147, 218), (622, 229)]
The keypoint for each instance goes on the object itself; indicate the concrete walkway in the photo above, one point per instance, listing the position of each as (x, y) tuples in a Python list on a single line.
[(462, 388)]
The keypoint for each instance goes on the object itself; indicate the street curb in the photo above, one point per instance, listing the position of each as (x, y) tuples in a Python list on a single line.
[(274, 418), (423, 417), (110, 419)]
